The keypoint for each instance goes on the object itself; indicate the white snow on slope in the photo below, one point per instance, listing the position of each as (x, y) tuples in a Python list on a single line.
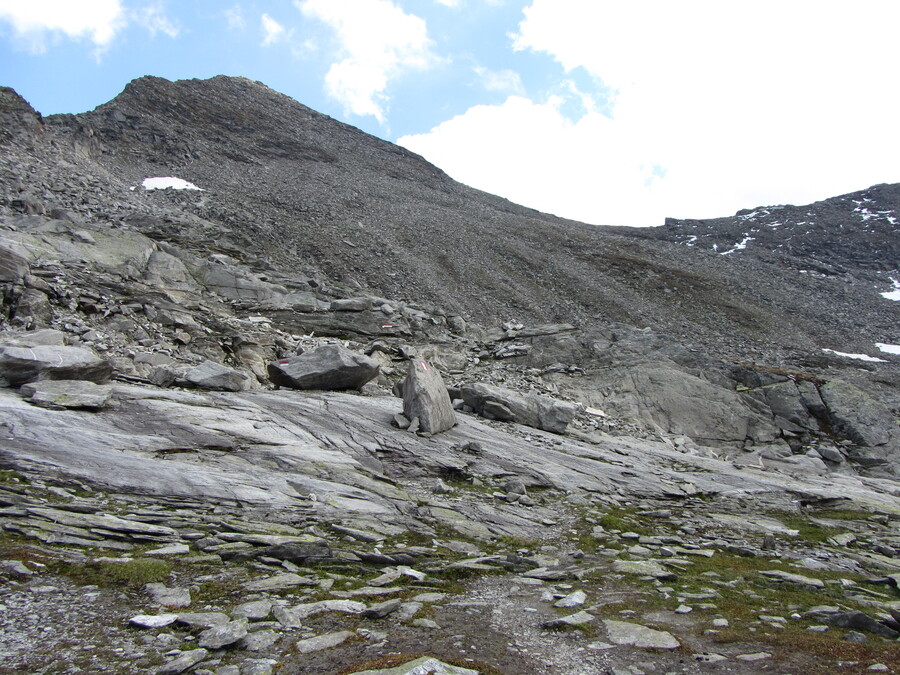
[(888, 349), (858, 357), (894, 294), (739, 246), (163, 182)]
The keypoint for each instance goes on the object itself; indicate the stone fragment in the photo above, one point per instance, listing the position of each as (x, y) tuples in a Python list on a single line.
[(361, 304), (326, 641), (60, 394), (572, 600), (259, 641), (632, 634), (19, 365), (223, 635), (425, 396), (255, 611), (381, 609), (329, 367), (540, 412), (184, 662), (216, 377), (577, 619)]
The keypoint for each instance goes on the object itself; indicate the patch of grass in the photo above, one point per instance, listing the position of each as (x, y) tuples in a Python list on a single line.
[(133, 573), (8, 476), (841, 514), (809, 531)]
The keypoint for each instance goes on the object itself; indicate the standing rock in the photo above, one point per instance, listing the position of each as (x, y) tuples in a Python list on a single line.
[(329, 367), (425, 396), (19, 365)]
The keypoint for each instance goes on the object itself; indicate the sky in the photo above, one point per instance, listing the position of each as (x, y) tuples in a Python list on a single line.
[(610, 112)]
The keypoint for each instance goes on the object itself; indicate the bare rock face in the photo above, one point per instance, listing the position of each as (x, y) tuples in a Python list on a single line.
[(19, 365), (329, 367), (425, 397), (540, 412)]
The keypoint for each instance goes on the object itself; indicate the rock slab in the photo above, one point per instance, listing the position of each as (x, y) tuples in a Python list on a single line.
[(505, 405), (635, 635)]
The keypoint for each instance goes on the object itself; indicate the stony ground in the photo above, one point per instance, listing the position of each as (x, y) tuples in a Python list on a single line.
[(614, 587)]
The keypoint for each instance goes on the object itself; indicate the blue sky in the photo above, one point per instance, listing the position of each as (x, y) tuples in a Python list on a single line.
[(605, 111)]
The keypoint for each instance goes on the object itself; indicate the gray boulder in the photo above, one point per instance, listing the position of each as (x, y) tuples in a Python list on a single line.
[(216, 377), (425, 397), (329, 367), (540, 412), (361, 304), (19, 365)]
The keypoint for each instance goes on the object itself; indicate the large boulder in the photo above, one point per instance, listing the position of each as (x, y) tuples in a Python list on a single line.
[(19, 365), (540, 412), (329, 367), (425, 397)]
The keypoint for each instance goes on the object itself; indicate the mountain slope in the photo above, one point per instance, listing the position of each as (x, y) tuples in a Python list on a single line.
[(287, 188)]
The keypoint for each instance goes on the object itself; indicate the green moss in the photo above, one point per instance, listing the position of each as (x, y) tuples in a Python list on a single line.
[(133, 573)]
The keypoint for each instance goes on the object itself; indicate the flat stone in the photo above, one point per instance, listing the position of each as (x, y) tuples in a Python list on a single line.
[(425, 665), (635, 635), (19, 365), (329, 367), (169, 597), (153, 620), (644, 568), (280, 582), (794, 578), (216, 377), (382, 609), (223, 635), (326, 641), (757, 656), (174, 549), (184, 662)]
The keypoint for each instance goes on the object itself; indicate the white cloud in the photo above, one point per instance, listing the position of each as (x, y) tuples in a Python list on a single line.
[(378, 42), (272, 30), (448, 3), (735, 104), (153, 18), (235, 18), (34, 21), (500, 80)]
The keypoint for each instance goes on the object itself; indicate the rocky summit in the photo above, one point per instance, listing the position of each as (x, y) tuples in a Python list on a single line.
[(280, 397)]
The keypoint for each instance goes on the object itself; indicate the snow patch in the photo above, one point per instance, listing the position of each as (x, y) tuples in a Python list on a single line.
[(163, 182), (888, 349), (739, 246), (894, 294), (858, 357)]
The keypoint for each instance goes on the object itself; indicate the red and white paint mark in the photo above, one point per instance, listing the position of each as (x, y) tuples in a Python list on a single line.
[(387, 325), (281, 363), (424, 365)]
